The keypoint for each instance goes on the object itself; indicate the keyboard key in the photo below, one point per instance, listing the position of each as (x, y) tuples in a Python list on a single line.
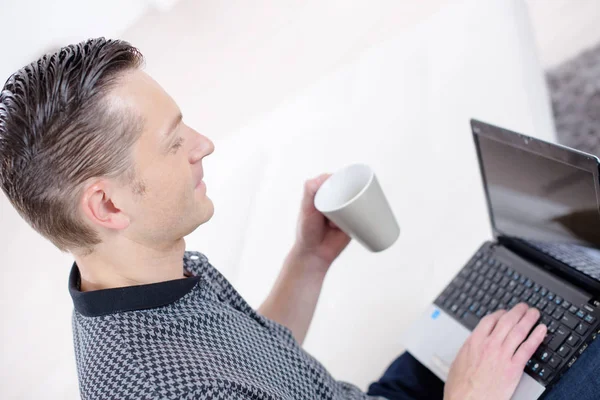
[(486, 299), (547, 338), (553, 326), (542, 304), (558, 300), (545, 355), (486, 285), (589, 318), (479, 295), (458, 282), (545, 319), (572, 340), (493, 304), (500, 293), (573, 310), (468, 302), (516, 276), (569, 321), (550, 296), (529, 362), (474, 307), (566, 304), (588, 308), (529, 283), (545, 373), (519, 290), (543, 291), (580, 314), (549, 309), (536, 287), (454, 308), (558, 314), (470, 319), (563, 351), (558, 339), (582, 328), (554, 361), (533, 300), (493, 288), (535, 367)]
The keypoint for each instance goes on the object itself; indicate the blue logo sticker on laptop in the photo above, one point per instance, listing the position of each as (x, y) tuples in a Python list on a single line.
[(436, 313)]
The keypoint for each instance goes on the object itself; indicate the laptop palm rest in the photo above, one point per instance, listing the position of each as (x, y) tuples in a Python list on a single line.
[(435, 339)]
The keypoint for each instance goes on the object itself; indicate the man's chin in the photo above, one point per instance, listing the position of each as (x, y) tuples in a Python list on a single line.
[(207, 213)]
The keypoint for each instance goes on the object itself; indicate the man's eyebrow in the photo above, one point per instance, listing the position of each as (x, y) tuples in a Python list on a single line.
[(173, 125)]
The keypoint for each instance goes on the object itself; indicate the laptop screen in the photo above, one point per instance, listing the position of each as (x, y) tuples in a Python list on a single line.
[(549, 204)]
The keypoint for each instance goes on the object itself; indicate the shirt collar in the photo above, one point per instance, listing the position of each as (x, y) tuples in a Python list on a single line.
[(131, 298)]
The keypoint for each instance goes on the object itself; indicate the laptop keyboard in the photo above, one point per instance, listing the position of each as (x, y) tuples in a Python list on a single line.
[(485, 285), (583, 259)]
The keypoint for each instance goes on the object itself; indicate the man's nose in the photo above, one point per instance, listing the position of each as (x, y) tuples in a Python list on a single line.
[(204, 148)]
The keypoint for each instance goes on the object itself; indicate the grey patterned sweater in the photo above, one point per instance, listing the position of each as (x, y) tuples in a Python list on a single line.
[(190, 338)]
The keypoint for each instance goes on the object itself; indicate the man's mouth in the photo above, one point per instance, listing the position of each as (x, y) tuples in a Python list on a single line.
[(199, 182)]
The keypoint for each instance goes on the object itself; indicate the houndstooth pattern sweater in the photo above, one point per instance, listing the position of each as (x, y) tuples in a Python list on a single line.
[(190, 338)]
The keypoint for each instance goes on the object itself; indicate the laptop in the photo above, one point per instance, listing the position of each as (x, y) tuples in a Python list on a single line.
[(543, 203)]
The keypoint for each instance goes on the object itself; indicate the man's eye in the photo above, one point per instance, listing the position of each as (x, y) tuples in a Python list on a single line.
[(177, 144)]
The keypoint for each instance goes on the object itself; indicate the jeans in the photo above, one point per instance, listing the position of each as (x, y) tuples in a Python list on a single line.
[(407, 379)]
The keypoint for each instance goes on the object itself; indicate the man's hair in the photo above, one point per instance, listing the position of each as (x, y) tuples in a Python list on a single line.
[(59, 129)]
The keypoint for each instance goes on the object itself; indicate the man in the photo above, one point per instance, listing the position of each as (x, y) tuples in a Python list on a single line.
[(96, 157)]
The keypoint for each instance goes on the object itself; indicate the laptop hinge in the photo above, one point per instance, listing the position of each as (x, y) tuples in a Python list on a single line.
[(552, 265)]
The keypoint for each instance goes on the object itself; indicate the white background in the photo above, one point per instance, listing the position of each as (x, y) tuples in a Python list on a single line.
[(288, 89)]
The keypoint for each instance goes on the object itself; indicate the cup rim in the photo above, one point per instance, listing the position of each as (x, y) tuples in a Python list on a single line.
[(355, 165)]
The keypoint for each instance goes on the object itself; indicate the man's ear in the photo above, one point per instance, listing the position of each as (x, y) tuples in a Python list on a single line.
[(98, 206)]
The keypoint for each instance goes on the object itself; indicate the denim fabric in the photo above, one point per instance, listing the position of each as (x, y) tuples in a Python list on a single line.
[(582, 381), (407, 379)]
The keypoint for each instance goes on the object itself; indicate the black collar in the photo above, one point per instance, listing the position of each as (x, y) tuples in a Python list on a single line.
[(109, 301)]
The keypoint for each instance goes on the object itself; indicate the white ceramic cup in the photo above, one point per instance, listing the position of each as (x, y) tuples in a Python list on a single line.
[(352, 199)]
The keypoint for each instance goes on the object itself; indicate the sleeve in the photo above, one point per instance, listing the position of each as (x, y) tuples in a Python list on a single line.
[(229, 393)]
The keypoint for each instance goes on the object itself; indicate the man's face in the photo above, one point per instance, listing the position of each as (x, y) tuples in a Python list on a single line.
[(168, 164)]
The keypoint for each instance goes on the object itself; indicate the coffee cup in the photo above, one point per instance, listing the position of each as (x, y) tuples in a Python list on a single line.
[(352, 198)]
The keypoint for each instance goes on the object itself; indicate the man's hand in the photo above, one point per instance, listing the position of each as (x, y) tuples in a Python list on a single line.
[(316, 236), (492, 360)]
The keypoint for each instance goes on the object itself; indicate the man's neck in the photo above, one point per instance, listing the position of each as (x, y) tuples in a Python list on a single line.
[(130, 264)]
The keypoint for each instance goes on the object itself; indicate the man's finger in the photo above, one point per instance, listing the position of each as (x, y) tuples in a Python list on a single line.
[(508, 321), (528, 347), (311, 187), (519, 333), (486, 325)]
